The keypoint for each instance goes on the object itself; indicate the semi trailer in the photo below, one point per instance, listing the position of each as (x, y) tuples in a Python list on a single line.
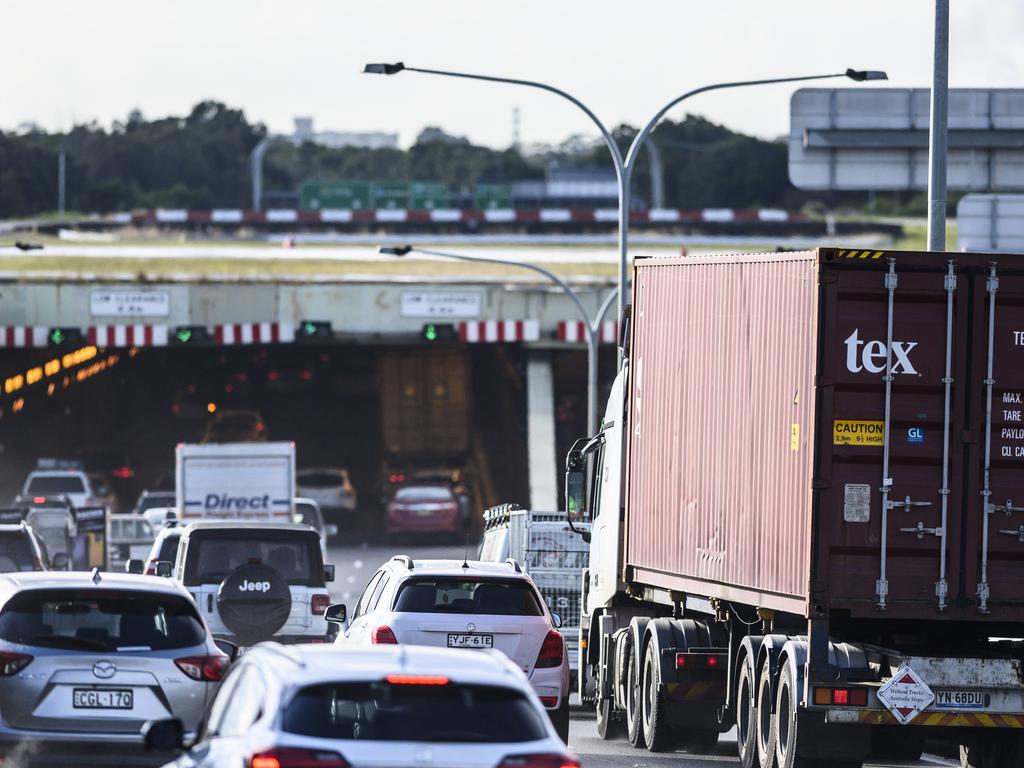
[(806, 508)]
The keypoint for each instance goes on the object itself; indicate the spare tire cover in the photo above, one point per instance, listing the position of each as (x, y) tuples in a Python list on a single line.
[(254, 602)]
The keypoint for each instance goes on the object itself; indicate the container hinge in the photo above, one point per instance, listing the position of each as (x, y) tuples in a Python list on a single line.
[(906, 504), (919, 530), (1007, 508), (1019, 533), (941, 592)]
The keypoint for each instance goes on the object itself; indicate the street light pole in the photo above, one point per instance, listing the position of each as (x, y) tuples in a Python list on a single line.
[(939, 131), (623, 167), (592, 326)]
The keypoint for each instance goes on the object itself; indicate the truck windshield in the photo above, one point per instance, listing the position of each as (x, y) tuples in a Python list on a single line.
[(212, 555)]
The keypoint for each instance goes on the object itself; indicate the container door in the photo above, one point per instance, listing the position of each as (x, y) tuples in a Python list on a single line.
[(994, 571), (893, 351)]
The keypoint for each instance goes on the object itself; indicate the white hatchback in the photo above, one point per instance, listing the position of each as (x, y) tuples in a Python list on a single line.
[(466, 605)]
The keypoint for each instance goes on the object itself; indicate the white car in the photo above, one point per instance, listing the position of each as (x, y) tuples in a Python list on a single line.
[(71, 483), (466, 605), (328, 487), (354, 708)]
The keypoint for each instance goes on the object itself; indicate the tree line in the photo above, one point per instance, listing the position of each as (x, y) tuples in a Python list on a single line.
[(201, 160)]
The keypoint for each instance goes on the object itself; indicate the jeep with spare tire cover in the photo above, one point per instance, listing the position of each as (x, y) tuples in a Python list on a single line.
[(256, 581)]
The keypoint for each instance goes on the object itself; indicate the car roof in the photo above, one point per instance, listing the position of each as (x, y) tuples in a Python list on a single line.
[(454, 568), (244, 525), (13, 583), (56, 473), (14, 527), (302, 665)]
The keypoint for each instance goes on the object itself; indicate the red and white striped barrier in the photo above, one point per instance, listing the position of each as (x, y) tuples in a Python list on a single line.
[(497, 331), (128, 335), (20, 336), (456, 216), (253, 333), (576, 331)]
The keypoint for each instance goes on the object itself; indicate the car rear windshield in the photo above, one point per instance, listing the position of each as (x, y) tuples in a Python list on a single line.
[(156, 500), (51, 485), (323, 479), (424, 494), (212, 555), (16, 553), (492, 596), (100, 620), (473, 714)]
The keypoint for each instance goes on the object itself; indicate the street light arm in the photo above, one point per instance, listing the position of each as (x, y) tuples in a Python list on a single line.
[(641, 137), (606, 135), (599, 317)]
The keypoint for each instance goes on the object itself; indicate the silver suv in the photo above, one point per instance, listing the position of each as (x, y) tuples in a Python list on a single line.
[(256, 581), (86, 659)]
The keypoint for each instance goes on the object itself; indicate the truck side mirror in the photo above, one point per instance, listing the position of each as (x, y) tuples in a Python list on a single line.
[(164, 568), (575, 490), (134, 566)]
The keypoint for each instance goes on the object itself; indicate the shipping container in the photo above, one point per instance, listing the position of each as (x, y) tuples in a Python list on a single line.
[(807, 506), (425, 403)]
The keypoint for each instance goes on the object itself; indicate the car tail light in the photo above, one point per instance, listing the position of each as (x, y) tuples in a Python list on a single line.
[(319, 604), (292, 757), (417, 679), (383, 636), (11, 663), (123, 473), (208, 669), (549, 702), (396, 478), (540, 761), (38, 499), (550, 651)]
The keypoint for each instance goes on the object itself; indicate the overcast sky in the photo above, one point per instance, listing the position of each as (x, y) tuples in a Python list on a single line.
[(67, 61)]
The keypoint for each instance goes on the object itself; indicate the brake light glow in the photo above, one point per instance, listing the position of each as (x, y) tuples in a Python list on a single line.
[(550, 651), (11, 663), (417, 679), (292, 757), (208, 669), (273, 375), (38, 499), (539, 761), (396, 477), (319, 604), (383, 636), (699, 660), (306, 375), (123, 473)]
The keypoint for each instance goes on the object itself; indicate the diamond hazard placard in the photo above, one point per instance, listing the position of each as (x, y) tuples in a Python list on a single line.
[(905, 695)]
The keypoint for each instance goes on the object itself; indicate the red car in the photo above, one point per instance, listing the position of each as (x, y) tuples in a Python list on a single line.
[(423, 509)]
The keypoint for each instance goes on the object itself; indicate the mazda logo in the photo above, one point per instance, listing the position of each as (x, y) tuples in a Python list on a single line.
[(104, 669)]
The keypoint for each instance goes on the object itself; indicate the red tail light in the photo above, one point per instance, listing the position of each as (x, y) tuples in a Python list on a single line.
[(396, 478), (417, 679), (540, 761), (208, 669), (292, 757), (700, 660), (12, 663), (550, 652), (123, 473), (383, 636), (319, 604), (38, 499), (549, 702)]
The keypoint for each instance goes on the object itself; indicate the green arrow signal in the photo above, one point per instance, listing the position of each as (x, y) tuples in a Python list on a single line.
[(184, 335), (309, 328), (430, 332), (57, 336)]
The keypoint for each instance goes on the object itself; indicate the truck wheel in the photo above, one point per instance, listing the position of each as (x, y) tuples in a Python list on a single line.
[(657, 730), (634, 717), (787, 727), (609, 726), (746, 716), (765, 730)]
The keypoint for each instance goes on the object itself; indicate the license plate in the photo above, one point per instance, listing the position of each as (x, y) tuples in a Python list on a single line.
[(457, 640), (91, 698), (424, 512), (960, 699)]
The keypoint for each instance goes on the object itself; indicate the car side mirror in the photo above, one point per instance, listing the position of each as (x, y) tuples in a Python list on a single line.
[(59, 562), (336, 614), (135, 566), (556, 619), (330, 530), (164, 568), (227, 647), (328, 573), (163, 735)]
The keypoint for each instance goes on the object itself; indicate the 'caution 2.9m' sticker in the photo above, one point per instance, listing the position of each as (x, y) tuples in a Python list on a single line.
[(846, 432)]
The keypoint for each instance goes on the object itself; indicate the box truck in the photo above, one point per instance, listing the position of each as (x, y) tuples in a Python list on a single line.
[(807, 507), (244, 481)]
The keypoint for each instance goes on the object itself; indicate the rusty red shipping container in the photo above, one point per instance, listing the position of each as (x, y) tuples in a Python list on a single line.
[(762, 467)]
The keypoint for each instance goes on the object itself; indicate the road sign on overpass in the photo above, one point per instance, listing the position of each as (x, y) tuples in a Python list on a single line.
[(992, 223), (877, 139)]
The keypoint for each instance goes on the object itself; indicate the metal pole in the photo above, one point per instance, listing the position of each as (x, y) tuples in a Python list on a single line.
[(62, 159), (256, 171), (591, 335), (938, 138)]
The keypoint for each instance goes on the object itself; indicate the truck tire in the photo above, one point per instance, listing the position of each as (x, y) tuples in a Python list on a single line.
[(746, 714), (634, 717), (657, 731), (609, 725), (765, 730), (254, 602), (998, 750)]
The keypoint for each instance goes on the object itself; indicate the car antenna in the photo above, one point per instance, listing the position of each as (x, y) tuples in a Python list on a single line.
[(465, 557)]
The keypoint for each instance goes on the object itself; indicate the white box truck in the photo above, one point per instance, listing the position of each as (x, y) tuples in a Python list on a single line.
[(244, 481)]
